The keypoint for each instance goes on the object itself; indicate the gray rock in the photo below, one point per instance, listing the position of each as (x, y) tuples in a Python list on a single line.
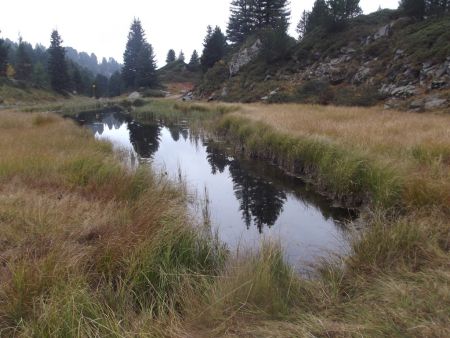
[(188, 96), (416, 105), (434, 102), (382, 32), (134, 96), (440, 71), (244, 56), (361, 75), (224, 92), (438, 84), (392, 103), (265, 98), (268, 77)]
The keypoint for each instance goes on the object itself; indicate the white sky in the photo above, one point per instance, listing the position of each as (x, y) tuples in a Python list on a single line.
[(101, 26)]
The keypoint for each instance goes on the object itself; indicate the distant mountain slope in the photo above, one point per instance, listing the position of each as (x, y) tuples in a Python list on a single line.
[(378, 58), (90, 62)]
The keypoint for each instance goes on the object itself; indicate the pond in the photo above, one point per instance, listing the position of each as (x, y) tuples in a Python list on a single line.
[(247, 200)]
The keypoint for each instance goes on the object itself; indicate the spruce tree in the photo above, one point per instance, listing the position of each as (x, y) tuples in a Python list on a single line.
[(302, 25), (413, 8), (40, 76), (3, 58), (342, 10), (136, 40), (57, 66), (24, 68), (146, 67), (271, 14), (214, 48), (115, 85), (194, 62), (181, 56), (170, 56), (241, 22), (319, 17)]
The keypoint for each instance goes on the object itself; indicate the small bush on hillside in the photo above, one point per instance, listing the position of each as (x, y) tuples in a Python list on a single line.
[(153, 93), (314, 91)]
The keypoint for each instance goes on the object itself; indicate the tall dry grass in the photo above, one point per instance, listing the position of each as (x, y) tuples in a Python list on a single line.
[(90, 249), (87, 247), (408, 151)]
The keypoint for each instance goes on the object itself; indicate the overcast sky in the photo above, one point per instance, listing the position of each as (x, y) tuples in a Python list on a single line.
[(101, 26)]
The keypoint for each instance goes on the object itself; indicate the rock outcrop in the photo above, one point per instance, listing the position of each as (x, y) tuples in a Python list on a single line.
[(244, 57)]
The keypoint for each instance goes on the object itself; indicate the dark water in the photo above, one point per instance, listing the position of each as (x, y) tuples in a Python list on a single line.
[(248, 200)]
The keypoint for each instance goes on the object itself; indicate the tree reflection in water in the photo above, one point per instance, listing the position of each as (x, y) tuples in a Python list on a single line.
[(260, 201)]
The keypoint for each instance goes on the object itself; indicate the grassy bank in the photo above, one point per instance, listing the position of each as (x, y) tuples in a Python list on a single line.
[(87, 247), (358, 155), (80, 256)]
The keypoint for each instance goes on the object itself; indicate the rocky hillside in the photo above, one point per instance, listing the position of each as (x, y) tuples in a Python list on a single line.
[(381, 58)]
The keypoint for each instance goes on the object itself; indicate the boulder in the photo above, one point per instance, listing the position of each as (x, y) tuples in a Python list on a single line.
[(435, 102), (134, 96), (417, 105), (244, 56), (382, 32)]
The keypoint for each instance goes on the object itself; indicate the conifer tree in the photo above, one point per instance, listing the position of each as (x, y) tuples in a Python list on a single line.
[(39, 77), (146, 67), (57, 65), (24, 68), (271, 13), (342, 10), (3, 57), (241, 22), (302, 25), (214, 48), (139, 63), (194, 62), (181, 56), (115, 86), (413, 8), (170, 56)]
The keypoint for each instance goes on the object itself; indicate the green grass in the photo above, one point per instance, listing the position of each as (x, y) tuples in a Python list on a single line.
[(346, 175)]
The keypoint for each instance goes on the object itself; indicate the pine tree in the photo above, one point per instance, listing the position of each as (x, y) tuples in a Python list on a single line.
[(77, 81), (437, 7), (24, 67), (271, 14), (342, 10), (170, 56), (101, 86), (146, 67), (3, 57), (115, 85), (413, 8), (136, 40), (302, 25), (241, 22), (57, 66), (319, 17), (39, 77), (214, 48), (181, 56), (195, 61)]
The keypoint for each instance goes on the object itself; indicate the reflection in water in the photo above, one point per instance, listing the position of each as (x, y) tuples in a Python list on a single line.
[(249, 200), (260, 201)]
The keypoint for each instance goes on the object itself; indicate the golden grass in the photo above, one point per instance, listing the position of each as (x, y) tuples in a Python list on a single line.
[(414, 147), (87, 247), (391, 135), (90, 249)]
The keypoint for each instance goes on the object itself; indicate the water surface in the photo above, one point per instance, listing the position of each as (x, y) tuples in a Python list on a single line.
[(248, 200)]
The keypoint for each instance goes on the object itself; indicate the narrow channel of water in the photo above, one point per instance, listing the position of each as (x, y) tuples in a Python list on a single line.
[(248, 200)]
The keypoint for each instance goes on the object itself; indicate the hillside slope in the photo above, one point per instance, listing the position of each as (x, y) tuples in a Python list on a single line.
[(378, 58)]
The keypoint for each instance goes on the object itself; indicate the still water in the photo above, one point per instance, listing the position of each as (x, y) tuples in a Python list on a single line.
[(248, 200)]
